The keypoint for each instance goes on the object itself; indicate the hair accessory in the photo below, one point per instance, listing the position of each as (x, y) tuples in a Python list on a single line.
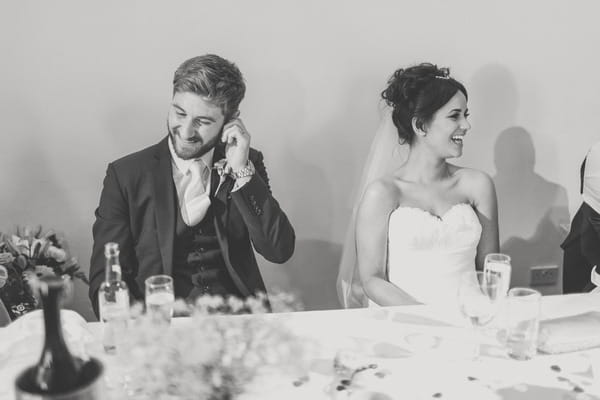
[(442, 77)]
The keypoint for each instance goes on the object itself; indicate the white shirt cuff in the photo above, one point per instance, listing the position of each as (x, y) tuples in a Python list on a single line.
[(595, 278)]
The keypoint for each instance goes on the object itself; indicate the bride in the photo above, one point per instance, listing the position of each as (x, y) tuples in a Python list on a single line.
[(419, 226)]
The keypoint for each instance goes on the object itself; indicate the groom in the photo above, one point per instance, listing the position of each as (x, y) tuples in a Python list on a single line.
[(193, 205)]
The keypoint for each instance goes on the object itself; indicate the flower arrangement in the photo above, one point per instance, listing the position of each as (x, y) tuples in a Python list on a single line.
[(25, 255), (208, 356)]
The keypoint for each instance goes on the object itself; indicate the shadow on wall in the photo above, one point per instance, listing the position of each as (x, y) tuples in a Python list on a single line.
[(319, 166), (312, 273), (524, 200)]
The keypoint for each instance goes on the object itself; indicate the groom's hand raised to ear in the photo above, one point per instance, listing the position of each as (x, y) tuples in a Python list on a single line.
[(237, 144)]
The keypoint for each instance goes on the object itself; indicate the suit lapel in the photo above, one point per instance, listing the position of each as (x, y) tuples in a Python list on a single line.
[(220, 190), (165, 205), (582, 175), (218, 187), (220, 203)]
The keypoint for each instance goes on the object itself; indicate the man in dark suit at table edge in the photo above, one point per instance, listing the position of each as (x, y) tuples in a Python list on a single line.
[(193, 205), (581, 260)]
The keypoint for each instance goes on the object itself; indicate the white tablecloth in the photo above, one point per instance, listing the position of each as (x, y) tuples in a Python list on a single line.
[(417, 352)]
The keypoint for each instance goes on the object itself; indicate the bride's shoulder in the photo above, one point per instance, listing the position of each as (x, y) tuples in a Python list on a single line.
[(383, 192), (473, 179)]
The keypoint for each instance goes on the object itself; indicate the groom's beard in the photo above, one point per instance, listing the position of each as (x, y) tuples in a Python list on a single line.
[(187, 151)]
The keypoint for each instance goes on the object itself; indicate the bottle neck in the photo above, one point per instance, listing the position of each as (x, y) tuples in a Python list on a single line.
[(113, 268), (52, 324)]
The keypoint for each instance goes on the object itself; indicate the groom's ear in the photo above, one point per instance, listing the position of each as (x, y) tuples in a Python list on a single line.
[(418, 126)]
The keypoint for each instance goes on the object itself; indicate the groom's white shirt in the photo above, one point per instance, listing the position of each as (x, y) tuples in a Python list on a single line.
[(182, 178)]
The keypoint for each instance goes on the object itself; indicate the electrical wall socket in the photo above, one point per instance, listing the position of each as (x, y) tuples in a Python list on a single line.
[(544, 275)]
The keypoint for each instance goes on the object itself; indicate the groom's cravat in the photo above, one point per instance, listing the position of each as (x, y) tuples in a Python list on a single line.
[(192, 183), (196, 198)]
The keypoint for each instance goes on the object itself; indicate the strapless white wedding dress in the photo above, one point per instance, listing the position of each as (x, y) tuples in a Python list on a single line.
[(428, 254)]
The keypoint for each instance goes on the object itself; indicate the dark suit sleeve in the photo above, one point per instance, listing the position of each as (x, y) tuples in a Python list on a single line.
[(269, 228), (111, 225), (594, 219), (591, 246), (590, 241)]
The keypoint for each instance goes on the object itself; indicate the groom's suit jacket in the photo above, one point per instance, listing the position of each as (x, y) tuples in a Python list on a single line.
[(581, 248), (138, 207)]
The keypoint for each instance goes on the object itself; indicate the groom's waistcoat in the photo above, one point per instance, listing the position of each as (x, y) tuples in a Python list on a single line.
[(198, 265)]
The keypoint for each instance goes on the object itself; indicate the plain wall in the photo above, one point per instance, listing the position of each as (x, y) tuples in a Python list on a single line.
[(84, 83)]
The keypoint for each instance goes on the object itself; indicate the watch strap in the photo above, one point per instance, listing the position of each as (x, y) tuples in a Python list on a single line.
[(248, 170)]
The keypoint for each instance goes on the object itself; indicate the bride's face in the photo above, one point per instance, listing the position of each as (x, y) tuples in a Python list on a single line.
[(446, 130)]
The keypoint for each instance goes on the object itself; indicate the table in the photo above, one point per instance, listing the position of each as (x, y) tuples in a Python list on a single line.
[(419, 352)]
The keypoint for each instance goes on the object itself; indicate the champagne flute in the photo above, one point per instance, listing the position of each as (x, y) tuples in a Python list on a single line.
[(160, 298), (478, 297)]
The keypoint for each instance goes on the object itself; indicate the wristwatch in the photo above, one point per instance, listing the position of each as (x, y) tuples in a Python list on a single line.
[(248, 170)]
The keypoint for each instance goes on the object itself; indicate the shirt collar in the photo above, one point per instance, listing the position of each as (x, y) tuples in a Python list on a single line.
[(184, 165)]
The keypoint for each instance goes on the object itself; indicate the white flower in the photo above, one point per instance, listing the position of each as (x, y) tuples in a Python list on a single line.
[(22, 245), (6, 258), (3, 275), (235, 304), (37, 245), (210, 356), (207, 302), (255, 305), (56, 253)]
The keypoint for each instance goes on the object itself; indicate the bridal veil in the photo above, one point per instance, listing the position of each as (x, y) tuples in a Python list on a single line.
[(385, 155)]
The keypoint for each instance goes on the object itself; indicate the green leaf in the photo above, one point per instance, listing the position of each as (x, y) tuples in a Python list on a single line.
[(82, 276), (37, 231), (21, 262)]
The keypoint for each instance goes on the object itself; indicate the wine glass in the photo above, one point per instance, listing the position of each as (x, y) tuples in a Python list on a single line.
[(479, 294), (499, 264), (160, 298)]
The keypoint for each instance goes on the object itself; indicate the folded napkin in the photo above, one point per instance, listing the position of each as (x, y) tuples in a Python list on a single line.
[(572, 333)]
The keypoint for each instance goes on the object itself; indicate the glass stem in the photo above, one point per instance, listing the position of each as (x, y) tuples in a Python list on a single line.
[(477, 339)]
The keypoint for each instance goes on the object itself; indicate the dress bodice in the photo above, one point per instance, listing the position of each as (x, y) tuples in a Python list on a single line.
[(427, 254)]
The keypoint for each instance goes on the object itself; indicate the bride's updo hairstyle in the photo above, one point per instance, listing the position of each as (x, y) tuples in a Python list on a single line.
[(418, 92)]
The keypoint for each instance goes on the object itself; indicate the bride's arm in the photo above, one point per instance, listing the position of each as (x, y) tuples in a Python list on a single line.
[(372, 218), (486, 207)]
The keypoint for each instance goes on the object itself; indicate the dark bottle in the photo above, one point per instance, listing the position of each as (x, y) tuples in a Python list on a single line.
[(57, 371)]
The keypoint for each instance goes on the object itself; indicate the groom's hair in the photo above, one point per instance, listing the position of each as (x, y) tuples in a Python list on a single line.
[(418, 92), (213, 77)]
